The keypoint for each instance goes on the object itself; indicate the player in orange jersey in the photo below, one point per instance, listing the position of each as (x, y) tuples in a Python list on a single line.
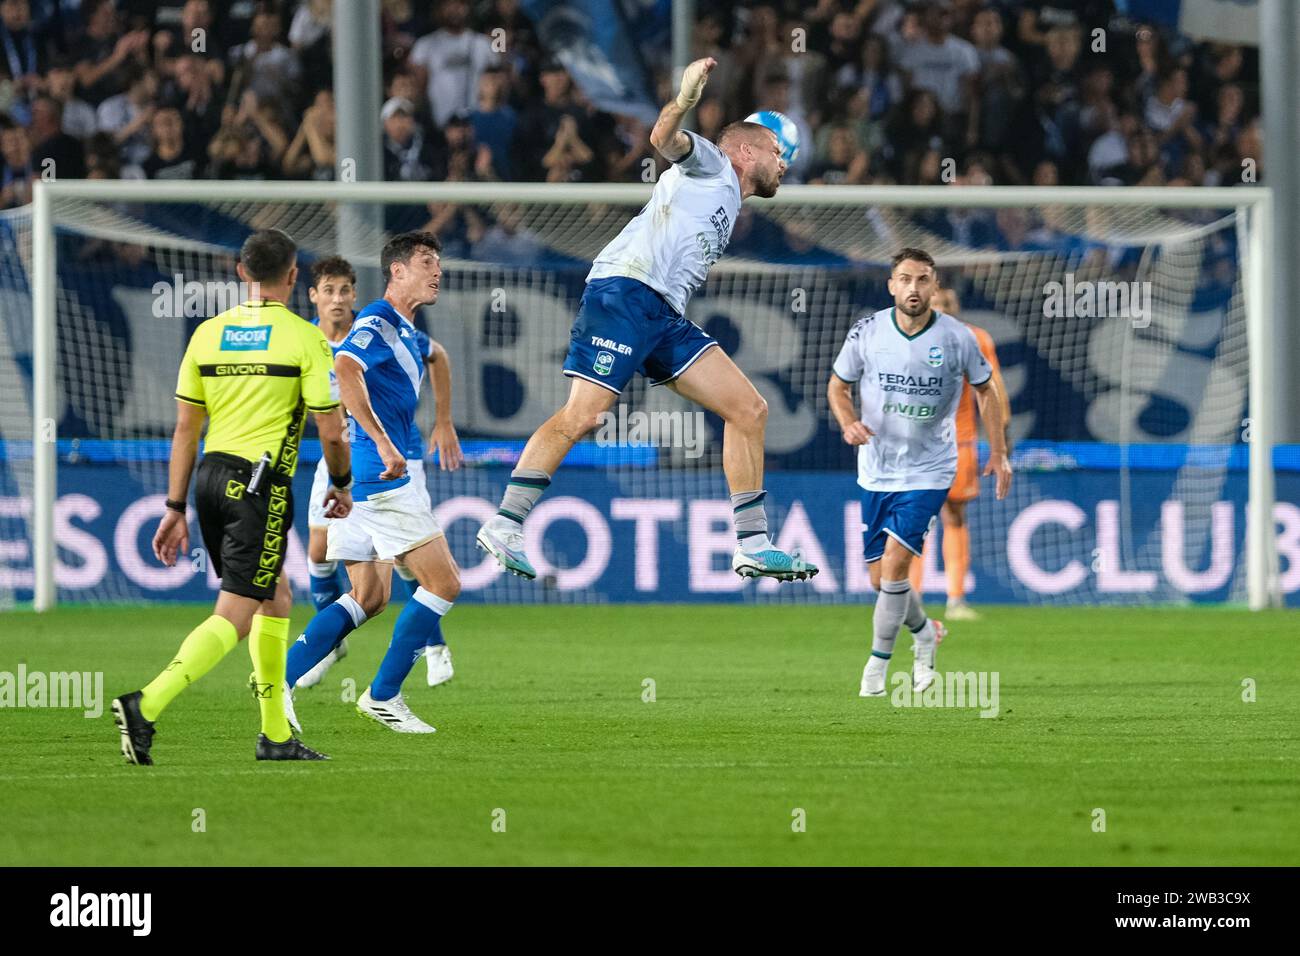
[(966, 486)]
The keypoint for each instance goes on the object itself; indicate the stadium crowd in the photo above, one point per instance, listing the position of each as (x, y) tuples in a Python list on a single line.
[(884, 91)]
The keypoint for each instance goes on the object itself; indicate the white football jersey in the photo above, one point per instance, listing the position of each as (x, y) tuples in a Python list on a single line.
[(682, 230), (910, 387)]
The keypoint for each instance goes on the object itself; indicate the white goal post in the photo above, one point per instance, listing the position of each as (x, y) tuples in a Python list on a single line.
[(1253, 208)]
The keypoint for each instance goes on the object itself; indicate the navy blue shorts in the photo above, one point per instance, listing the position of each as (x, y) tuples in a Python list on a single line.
[(624, 327), (907, 516)]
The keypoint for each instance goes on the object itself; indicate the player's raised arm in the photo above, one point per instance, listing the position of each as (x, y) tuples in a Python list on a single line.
[(992, 403), (667, 136), (443, 437)]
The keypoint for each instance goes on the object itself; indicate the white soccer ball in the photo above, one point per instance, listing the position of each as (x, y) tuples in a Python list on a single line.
[(787, 133)]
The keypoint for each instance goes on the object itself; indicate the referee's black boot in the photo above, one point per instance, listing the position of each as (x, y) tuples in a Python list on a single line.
[(291, 749), (137, 733)]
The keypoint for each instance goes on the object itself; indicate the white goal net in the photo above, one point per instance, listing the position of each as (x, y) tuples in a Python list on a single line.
[(1122, 321)]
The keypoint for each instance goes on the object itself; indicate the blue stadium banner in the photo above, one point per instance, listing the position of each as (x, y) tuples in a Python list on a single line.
[(591, 38), (1077, 536)]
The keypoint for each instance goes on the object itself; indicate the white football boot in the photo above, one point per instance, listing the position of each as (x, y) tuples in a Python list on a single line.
[(961, 611), (393, 714), (873, 677), (289, 713), (438, 657), (923, 672), (313, 676)]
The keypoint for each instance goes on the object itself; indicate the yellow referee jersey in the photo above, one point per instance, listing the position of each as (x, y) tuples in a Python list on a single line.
[(257, 369)]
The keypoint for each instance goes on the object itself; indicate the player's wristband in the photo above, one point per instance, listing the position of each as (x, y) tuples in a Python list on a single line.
[(173, 505), (342, 482)]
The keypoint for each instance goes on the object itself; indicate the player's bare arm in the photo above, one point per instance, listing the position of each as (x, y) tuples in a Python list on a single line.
[(355, 395), (443, 438), (332, 427), (991, 403), (173, 535), (840, 395), (667, 136)]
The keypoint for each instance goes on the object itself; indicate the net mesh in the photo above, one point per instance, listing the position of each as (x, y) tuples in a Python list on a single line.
[(1158, 358)]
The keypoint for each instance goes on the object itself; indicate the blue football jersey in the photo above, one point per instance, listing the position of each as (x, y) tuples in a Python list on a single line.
[(392, 352)]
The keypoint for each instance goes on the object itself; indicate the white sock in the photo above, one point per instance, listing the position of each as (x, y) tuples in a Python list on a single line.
[(755, 543)]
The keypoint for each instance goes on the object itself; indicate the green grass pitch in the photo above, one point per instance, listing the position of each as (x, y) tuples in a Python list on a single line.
[(1138, 713)]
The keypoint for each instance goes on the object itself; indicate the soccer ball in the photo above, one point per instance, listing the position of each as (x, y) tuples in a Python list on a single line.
[(787, 134)]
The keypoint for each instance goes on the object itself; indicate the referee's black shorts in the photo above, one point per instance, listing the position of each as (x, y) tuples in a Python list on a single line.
[(247, 536)]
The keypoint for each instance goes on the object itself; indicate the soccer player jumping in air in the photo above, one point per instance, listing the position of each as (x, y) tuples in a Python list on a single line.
[(909, 362), (631, 319)]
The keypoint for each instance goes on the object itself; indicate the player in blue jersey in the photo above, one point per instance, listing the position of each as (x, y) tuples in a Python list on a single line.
[(632, 320), (333, 293), (379, 368)]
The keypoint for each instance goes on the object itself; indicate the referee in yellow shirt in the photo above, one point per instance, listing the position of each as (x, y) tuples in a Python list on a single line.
[(253, 372)]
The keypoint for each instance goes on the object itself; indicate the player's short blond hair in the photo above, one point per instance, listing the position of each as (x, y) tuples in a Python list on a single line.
[(741, 131)]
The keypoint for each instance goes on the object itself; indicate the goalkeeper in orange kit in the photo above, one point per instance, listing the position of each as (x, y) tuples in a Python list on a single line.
[(966, 486)]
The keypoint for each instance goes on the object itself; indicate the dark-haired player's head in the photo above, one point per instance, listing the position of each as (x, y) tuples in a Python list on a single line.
[(412, 267), (269, 257), (333, 289), (913, 281), (756, 153)]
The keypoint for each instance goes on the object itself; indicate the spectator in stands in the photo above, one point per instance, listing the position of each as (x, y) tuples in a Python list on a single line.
[(1001, 81), (843, 162), (626, 150), (494, 120), (914, 130), (195, 36), (1173, 119), (403, 22), (17, 171), (172, 157), (453, 57), (127, 115), (1226, 125), (192, 91), (946, 66), (24, 50), (874, 75), (104, 51), (250, 143), (539, 127), (78, 115), (411, 154), (311, 154), (265, 65), (53, 149), (408, 84), (467, 159), (310, 38)]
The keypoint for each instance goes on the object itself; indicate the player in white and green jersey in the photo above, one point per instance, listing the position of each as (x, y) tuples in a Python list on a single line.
[(909, 362)]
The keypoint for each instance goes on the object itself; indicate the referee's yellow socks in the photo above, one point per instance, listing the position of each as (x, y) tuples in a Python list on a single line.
[(199, 653), (268, 645)]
